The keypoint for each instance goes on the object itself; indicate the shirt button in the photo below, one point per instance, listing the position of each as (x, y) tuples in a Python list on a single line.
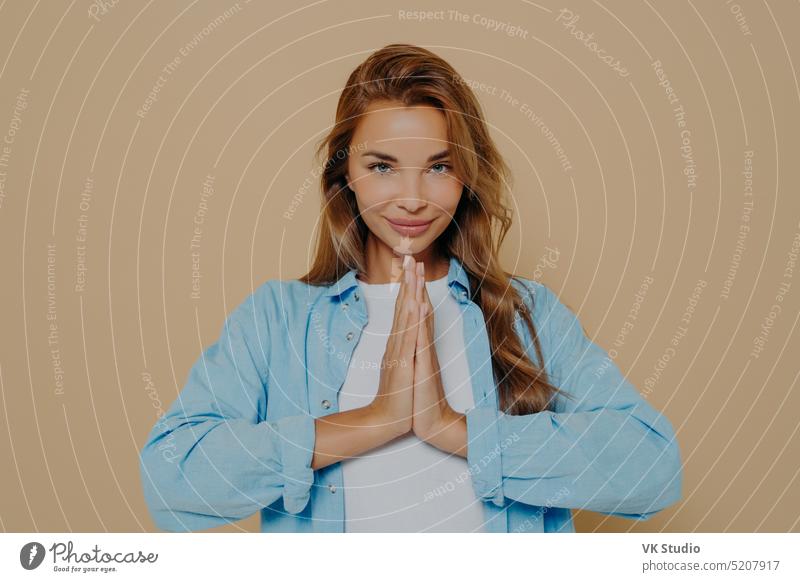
[(349, 335), (356, 296), (332, 488), (345, 306), (326, 404)]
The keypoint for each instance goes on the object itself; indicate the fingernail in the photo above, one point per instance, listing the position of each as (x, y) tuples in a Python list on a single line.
[(406, 261)]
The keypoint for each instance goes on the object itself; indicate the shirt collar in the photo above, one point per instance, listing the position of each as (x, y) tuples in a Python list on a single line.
[(456, 276)]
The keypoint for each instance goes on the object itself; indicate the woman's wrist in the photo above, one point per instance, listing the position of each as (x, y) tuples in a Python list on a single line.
[(450, 433), (382, 416)]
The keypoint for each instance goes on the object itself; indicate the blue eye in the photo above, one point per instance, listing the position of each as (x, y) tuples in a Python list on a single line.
[(447, 166), (383, 164)]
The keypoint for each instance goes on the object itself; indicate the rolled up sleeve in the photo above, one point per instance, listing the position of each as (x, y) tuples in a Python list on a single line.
[(212, 458), (606, 449)]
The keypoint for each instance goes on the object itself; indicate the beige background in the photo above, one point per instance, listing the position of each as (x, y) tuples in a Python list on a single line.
[(245, 105)]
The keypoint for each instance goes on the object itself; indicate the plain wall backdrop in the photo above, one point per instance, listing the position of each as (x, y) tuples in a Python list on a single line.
[(156, 166)]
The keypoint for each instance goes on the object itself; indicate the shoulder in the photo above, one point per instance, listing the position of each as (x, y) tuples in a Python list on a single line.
[(552, 317), (538, 297), (278, 299), (282, 297)]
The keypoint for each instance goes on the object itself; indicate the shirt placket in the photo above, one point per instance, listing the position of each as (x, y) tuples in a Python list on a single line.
[(327, 372), (484, 389)]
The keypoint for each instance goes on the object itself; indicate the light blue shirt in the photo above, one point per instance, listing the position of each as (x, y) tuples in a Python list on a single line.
[(240, 436)]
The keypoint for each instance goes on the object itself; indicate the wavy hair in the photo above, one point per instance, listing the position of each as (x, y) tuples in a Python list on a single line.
[(413, 75)]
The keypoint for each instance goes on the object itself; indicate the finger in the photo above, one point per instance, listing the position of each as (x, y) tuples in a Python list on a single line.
[(407, 279), (421, 334), (409, 300), (426, 299), (410, 331), (400, 293), (411, 305), (421, 293), (400, 302), (411, 279), (420, 280), (397, 268), (427, 323)]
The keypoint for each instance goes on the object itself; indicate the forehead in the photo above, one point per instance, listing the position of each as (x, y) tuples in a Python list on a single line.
[(392, 126)]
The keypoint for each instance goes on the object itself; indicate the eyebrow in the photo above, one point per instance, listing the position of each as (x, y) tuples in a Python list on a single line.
[(388, 158)]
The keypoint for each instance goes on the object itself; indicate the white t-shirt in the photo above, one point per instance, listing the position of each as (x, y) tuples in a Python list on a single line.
[(408, 485)]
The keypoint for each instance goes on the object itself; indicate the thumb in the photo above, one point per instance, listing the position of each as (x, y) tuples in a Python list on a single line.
[(422, 330)]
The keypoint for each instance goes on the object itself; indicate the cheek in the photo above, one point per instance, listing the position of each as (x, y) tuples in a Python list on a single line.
[(373, 192), (370, 202), (378, 188), (446, 194)]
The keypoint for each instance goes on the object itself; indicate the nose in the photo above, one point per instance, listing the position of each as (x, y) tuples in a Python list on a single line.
[(412, 197)]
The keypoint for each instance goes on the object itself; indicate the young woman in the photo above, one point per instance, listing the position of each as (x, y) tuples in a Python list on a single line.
[(407, 382)]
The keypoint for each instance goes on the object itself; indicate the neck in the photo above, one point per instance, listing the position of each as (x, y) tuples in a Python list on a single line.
[(386, 266)]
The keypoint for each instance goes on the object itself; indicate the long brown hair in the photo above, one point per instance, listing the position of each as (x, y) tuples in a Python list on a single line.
[(413, 75)]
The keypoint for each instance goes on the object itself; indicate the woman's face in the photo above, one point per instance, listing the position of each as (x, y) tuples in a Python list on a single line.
[(401, 175)]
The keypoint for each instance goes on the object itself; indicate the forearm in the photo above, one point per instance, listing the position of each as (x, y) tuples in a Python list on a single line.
[(613, 461), (199, 472), (451, 436), (346, 434)]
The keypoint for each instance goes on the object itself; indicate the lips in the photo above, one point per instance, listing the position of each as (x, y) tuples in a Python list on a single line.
[(408, 221), (409, 227)]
